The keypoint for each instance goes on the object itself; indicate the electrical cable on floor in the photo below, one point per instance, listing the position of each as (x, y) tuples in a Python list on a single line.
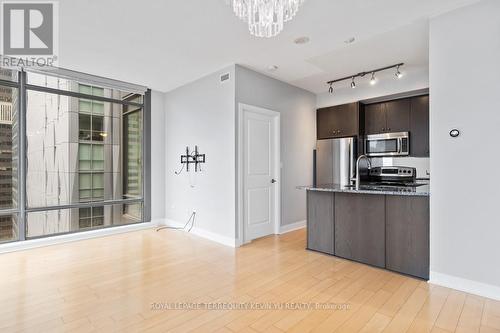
[(180, 171), (192, 224), (191, 219)]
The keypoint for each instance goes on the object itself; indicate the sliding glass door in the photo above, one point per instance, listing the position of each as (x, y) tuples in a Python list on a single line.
[(81, 162)]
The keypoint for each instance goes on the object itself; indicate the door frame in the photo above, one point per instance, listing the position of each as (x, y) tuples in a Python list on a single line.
[(241, 239)]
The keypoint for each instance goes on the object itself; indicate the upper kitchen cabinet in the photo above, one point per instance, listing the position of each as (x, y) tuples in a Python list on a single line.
[(392, 116), (419, 126), (375, 121), (398, 115), (338, 121)]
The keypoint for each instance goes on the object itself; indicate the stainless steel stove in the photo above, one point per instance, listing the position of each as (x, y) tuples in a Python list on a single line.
[(393, 176)]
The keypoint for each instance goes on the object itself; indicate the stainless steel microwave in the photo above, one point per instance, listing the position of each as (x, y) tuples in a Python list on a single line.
[(388, 144)]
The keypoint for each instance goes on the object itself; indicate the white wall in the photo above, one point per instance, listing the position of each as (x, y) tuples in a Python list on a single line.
[(464, 87), (298, 133), (202, 113), (157, 155)]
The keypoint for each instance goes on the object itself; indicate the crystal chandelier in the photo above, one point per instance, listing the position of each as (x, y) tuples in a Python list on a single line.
[(266, 17)]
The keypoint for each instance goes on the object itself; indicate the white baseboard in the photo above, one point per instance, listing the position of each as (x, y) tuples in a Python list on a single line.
[(292, 227), (60, 239), (465, 285), (283, 229), (224, 240)]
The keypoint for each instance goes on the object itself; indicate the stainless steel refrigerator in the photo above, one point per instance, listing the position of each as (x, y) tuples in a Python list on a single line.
[(335, 161)]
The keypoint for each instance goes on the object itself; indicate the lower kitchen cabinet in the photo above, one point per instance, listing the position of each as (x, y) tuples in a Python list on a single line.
[(407, 235), (388, 231), (360, 227), (320, 215)]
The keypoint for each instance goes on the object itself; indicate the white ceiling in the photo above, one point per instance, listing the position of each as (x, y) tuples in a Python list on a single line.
[(165, 44)]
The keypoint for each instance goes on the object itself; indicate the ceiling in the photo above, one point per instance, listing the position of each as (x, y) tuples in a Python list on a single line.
[(166, 44)]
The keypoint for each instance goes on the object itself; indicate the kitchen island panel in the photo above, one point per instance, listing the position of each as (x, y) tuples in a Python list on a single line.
[(407, 235), (320, 215), (360, 227)]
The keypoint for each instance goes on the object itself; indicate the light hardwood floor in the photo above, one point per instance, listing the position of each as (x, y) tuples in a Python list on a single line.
[(109, 284)]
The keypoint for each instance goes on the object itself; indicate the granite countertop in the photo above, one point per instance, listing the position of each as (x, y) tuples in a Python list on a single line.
[(422, 190)]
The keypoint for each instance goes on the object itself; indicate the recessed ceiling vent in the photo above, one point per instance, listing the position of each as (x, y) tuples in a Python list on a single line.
[(224, 77)]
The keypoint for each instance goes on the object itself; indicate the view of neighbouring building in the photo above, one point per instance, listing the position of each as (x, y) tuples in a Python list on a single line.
[(78, 151), (8, 156)]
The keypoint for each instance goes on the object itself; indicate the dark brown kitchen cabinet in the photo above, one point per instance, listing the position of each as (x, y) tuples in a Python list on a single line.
[(320, 215), (360, 227), (375, 121), (419, 126), (338, 121), (392, 116), (407, 235), (398, 115)]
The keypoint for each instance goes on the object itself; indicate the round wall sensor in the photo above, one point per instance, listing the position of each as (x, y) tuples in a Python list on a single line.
[(272, 68), (301, 40), (454, 133), (350, 40)]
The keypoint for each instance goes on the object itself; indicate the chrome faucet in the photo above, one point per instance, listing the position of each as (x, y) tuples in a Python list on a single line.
[(358, 176)]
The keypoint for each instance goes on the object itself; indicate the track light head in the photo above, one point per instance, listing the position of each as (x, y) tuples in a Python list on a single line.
[(398, 73), (373, 80), (330, 90), (353, 84)]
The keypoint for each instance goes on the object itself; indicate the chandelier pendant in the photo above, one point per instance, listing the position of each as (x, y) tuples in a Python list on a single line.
[(266, 18)]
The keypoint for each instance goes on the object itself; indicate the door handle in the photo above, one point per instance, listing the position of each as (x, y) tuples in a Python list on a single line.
[(273, 181)]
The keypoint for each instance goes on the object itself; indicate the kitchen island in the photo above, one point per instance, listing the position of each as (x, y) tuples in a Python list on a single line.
[(383, 226)]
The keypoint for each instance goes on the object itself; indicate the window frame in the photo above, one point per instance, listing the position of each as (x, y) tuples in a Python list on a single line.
[(22, 210), (15, 212), (125, 161)]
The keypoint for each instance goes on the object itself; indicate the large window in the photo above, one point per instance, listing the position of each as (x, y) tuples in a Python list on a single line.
[(9, 125), (81, 166)]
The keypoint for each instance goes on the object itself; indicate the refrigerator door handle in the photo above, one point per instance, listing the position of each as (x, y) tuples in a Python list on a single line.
[(352, 159)]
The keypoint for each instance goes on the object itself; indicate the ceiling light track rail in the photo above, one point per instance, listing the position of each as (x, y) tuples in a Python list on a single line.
[(362, 74)]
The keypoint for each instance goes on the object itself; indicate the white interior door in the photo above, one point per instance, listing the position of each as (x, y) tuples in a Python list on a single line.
[(260, 179)]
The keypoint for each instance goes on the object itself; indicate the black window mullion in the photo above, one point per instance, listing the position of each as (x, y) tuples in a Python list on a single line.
[(12, 84), (80, 95), (22, 157)]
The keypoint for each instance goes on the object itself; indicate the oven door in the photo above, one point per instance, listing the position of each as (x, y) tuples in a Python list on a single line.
[(390, 144)]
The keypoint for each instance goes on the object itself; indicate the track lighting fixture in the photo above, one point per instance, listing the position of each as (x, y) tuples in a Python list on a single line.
[(373, 80), (398, 73)]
